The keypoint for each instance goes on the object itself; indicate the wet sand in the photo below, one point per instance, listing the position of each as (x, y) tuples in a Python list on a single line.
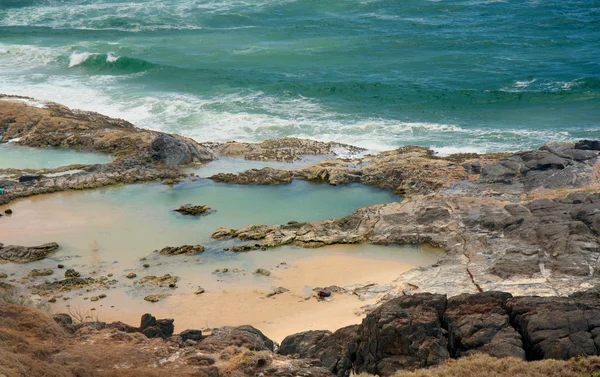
[(276, 316)]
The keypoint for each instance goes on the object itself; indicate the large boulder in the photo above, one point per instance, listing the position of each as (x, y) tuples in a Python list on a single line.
[(479, 324), (242, 336), (335, 351), (404, 333), (174, 150), (557, 327), (156, 328)]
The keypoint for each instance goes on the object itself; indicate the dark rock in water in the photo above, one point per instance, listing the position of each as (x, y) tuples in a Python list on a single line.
[(61, 266), (174, 150), (191, 334), (242, 336), (41, 272), (192, 210), (479, 324), (179, 250), (30, 178), (245, 248), (23, 254), (404, 333), (8, 211), (71, 273), (156, 328)]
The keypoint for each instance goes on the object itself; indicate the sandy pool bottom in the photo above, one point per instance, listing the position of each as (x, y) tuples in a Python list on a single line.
[(247, 304)]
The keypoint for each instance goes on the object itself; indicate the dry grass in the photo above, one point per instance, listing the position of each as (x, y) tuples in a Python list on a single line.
[(483, 365), (33, 345), (247, 363)]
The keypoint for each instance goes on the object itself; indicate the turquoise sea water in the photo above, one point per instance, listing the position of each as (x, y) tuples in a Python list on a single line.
[(454, 75)]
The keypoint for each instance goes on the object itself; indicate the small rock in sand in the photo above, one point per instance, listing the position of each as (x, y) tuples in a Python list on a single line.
[(278, 291), (199, 291), (94, 298), (131, 275), (8, 211), (3, 275), (156, 297)]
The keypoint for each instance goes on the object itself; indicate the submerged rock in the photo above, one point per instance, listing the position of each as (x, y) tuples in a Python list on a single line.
[(23, 254), (262, 272), (158, 281), (156, 298), (192, 210), (185, 250), (40, 272)]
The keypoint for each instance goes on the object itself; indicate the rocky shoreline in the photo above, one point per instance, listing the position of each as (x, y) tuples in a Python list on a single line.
[(513, 224)]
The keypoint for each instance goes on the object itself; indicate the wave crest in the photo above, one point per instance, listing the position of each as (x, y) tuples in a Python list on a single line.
[(108, 62)]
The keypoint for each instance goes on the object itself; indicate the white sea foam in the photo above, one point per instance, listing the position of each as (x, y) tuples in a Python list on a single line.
[(111, 58), (27, 101), (255, 116), (78, 58), (446, 151)]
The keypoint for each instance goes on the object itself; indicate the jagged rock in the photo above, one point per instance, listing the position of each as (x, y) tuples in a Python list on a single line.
[(40, 272), (185, 250), (223, 233), (58, 126), (479, 324), (404, 333), (242, 336), (286, 149), (156, 328), (264, 176), (23, 254), (69, 284), (191, 210)]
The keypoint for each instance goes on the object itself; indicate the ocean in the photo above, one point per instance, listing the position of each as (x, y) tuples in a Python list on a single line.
[(457, 76)]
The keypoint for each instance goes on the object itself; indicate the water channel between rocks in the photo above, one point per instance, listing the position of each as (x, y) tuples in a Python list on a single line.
[(108, 231)]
